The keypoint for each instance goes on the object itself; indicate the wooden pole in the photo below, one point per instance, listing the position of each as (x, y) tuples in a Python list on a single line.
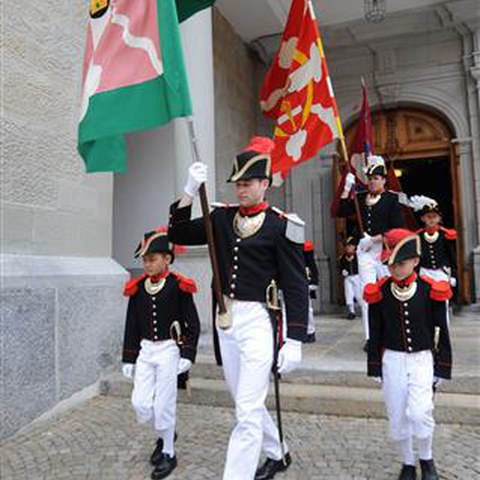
[(217, 286), (349, 169)]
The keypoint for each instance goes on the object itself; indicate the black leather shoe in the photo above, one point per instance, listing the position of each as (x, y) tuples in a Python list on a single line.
[(429, 472), (351, 316), (164, 468), (408, 472), (156, 456), (271, 467), (365, 347), (310, 338)]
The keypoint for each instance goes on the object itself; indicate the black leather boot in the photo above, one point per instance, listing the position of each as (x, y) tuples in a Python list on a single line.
[(164, 468), (310, 338), (271, 467), (351, 315), (365, 346), (409, 472), (429, 472), (156, 456)]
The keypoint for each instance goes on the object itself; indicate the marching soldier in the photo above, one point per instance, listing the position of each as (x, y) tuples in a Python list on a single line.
[(409, 348), (161, 335), (312, 276), (348, 265), (438, 259), (380, 211), (255, 244)]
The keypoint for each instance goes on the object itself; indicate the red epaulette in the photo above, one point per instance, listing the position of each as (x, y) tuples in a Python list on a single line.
[(441, 291), (373, 291), (131, 287), (186, 284), (449, 233), (308, 246)]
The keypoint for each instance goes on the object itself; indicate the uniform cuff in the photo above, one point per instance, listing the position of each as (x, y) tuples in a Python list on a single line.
[(179, 215), (297, 332), (188, 352), (129, 356)]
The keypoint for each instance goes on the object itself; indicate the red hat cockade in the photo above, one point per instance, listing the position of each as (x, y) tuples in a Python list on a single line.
[(400, 244)]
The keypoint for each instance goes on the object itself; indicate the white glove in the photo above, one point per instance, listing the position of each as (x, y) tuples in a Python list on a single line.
[(289, 356), (345, 273), (127, 370), (453, 282), (437, 381), (184, 365), (349, 182), (197, 174), (366, 243), (378, 380), (313, 288)]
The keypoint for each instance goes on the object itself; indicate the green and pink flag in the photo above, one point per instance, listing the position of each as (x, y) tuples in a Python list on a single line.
[(134, 75)]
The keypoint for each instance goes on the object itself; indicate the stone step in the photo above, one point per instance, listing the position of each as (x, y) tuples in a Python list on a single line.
[(207, 369), (311, 398)]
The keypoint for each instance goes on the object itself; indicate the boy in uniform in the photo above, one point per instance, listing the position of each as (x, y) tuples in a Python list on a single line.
[(161, 335), (409, 348), (348, 265)]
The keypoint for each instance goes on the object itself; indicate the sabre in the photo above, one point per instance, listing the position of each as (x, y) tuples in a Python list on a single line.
[(275, 310)]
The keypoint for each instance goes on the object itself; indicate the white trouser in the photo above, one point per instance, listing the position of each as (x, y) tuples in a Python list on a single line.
[(438, 275), (154, 396), (311, 319), (351, 284), (370, 269), (247, 355), (407, 390)]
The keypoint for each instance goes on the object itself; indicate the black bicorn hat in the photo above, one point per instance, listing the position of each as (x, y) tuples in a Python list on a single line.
[(254, 161), (351, 240), (423, 205), (400, 244), (375, 166), (157, 241)]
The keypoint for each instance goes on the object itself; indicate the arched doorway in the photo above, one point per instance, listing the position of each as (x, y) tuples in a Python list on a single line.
[(418, 145)]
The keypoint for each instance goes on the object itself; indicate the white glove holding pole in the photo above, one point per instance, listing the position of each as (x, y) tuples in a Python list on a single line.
[(197, 174), (184, 365), (127, 370), (366, 243), (345, 273), (349, 182), (289, 356)]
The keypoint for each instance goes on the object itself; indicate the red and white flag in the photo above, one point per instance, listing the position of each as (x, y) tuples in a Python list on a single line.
[(297, 93)]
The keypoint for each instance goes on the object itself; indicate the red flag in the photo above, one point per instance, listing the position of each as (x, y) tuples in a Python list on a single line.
[(361, 146), (360, 149), (297, 93)]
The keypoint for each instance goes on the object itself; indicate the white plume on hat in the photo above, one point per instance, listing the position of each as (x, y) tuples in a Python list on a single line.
[(419, 202), (374, 161)]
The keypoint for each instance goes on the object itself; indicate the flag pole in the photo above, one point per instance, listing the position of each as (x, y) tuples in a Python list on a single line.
[(217, 287), (341, 136)]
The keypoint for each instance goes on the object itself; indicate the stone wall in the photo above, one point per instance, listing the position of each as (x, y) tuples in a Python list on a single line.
[(62, 310), (236, 102)]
